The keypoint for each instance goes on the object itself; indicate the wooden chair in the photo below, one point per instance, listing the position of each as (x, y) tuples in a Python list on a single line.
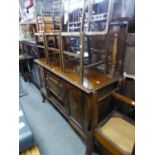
[(116, 133)]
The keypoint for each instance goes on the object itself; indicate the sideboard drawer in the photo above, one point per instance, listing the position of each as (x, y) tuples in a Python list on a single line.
[(55, 86)]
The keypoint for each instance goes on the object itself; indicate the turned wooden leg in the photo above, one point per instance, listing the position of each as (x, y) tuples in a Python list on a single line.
[(90, 145), (43, 97)]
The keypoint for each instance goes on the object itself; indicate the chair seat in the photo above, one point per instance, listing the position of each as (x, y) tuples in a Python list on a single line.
[(120, 132)]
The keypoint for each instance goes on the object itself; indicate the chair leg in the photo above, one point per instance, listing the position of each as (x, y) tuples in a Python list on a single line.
[(90, 144)]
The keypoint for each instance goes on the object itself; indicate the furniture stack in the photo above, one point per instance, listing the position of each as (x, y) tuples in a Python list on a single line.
[(81, 57), (70, 41)]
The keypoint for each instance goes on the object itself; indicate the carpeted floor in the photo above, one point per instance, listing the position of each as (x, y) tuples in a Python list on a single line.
[(52, 133)]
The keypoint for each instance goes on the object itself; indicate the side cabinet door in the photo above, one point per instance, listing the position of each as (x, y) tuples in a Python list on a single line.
[(76, 103)]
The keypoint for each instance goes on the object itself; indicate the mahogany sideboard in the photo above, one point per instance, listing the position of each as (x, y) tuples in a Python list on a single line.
[(75, 100)]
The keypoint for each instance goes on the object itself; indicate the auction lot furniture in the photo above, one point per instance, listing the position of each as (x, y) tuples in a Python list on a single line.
[(73, 99), (81, 50), (115, 133)]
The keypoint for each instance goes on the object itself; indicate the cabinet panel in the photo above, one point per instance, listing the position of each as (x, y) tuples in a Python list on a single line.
[(56, 102), (76, 102)]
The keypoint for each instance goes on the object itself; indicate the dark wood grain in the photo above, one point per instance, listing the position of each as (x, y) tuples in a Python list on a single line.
[(93, 79)]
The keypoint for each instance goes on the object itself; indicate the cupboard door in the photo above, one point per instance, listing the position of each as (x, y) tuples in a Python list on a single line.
[(76, 102)]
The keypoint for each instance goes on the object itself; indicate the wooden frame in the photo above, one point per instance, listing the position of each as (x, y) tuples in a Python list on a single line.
[(95, 133), (82, 34)]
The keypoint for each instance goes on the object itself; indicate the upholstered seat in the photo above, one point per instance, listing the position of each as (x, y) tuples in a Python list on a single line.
[(120, 132)]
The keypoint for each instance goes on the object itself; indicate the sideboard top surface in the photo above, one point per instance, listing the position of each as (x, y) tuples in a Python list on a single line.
[(93, 80)]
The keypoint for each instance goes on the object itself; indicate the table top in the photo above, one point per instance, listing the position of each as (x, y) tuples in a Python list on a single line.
[(94, 79)]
